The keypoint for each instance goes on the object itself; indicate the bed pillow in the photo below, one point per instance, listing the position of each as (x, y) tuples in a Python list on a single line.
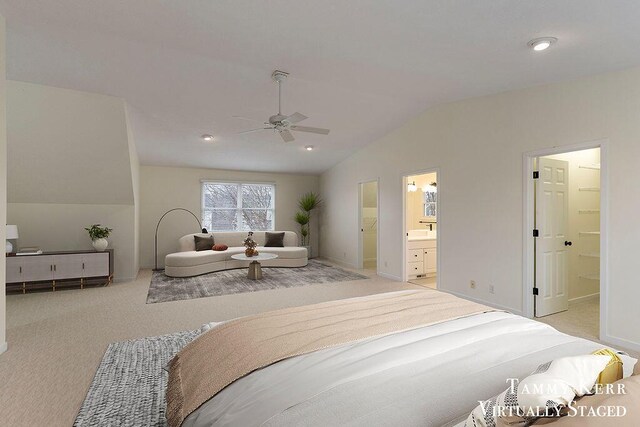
[(544, 393), (203, 243), (274, 240)]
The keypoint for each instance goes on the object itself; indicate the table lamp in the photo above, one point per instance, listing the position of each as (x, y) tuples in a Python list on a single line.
[(12, 233)]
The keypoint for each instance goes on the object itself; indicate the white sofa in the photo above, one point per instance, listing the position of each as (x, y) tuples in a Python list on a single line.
[(188, 262)]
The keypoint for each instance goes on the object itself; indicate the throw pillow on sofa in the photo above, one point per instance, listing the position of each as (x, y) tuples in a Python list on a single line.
[(203, 243), (220, 248), (274, 240)]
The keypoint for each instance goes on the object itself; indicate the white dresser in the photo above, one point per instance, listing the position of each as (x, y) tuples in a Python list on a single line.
[(50, 270), (422, 258)]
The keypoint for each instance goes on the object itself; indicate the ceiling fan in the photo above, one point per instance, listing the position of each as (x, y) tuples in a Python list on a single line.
[(281, 123)]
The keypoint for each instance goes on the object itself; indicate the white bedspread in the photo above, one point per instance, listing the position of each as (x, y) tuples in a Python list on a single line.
[(425, 377)]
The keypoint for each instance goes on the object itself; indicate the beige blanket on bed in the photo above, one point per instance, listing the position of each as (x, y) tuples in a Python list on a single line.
[(234, 349)]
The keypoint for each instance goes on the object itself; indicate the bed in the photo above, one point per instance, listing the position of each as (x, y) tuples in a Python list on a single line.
[(431, 375)]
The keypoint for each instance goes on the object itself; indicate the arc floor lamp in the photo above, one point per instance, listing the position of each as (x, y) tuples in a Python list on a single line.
[(155, 253)]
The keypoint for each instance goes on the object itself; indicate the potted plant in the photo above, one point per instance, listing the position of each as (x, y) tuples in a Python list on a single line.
[(99, 236), (250, 245), (307, 203), (302, 218)]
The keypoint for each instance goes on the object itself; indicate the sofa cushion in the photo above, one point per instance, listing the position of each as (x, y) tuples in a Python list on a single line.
[(203, 243), (193, 258), (233, 239), (274, 240), (286, 252)]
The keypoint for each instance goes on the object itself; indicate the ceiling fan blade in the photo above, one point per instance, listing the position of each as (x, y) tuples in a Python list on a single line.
[(253, 130), (296, 117), (321, 131), (286, 136), (247, 118)]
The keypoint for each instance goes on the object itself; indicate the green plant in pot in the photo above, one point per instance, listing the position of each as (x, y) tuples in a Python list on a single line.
[(307, 203), (99, 236)]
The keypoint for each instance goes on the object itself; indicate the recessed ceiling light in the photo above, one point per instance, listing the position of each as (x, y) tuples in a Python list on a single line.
[(542, 43), (309, 148), (207, 137)]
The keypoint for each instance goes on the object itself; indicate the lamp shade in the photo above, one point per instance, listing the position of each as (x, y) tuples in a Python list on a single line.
[(12, 232)]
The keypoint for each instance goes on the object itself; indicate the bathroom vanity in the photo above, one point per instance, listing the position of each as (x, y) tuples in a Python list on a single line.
[(422, 260)]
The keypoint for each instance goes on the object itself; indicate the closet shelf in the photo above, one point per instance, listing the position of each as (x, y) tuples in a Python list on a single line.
[(594, 189), (590, 277), (591, 255), (594, 167), (590, 233), (588, 211)]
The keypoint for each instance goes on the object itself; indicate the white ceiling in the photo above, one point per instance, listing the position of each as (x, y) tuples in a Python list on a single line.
[(358, 67)]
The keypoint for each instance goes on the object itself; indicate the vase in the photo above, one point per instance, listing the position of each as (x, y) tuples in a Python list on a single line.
[(100, 244), (249, 252)]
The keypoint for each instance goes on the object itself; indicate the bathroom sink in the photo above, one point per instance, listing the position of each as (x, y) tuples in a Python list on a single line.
[(422, 235)]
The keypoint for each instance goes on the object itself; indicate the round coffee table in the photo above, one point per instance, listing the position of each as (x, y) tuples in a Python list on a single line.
[(255, 269)]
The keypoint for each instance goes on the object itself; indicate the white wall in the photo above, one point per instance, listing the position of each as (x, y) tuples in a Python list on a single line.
[(581, 266), (72, 164), (478, 146), (3, 184), (164, 188)]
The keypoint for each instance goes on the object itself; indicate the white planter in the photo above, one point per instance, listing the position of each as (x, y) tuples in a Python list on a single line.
[(308, 251), (100, 244)]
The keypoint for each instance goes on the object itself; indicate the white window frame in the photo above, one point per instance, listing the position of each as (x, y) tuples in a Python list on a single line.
[(239, 209)]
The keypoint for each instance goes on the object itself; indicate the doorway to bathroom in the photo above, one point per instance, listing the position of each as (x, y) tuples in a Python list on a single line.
[(368, 242), (565, 263), (421, 228)]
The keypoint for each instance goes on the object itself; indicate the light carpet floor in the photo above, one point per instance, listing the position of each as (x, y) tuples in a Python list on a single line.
[(57, 339)]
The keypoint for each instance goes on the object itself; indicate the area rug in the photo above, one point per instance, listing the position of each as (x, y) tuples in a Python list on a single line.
[(129, 386), (164, 288)]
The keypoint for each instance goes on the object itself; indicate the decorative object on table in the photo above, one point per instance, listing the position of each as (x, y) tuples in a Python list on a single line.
[(250, 245), (33, 250), (307, 203), (12, 233), (99, 236), (155, 245), (226, 282)]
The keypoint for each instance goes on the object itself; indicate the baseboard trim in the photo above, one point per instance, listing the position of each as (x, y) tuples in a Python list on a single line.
[(586, 297), (338, 262), (389, 276), (124, 279), (620, 342), (3, 347), (481, 301)]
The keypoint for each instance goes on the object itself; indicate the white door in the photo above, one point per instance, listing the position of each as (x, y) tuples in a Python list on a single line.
[(96, 264), (37, 268), (14, 269), (68, 266), (552, 243), (430, 260)]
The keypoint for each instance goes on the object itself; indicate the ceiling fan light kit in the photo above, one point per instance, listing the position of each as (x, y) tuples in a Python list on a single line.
[(281, 123)]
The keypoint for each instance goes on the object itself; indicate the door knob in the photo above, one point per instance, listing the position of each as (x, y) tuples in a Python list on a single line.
[(567, 243)]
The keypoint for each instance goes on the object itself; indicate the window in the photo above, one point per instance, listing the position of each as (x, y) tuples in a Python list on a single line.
[(228, 206), (430, 203)]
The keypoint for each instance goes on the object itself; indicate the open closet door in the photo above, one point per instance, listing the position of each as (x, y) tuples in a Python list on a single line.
[(552, 243)]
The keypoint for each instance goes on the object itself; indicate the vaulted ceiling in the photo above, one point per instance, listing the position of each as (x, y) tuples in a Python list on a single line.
[(358, 67)]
